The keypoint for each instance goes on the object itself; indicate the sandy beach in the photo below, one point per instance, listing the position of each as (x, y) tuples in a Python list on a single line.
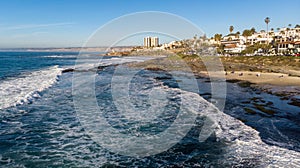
[(272, 78), (277, 79), (237, 69)]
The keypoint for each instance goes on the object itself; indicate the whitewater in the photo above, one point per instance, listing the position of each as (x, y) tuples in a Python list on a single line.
[(48, 130)]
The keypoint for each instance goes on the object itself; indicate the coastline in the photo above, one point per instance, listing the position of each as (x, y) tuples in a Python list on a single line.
[(253, 107), (281, 77), (284, 84), (261, 78)]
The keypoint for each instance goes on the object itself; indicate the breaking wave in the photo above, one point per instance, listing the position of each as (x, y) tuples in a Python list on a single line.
[(26, 87)]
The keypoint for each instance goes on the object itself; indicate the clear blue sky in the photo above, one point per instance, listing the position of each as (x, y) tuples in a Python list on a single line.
[(62, 23)]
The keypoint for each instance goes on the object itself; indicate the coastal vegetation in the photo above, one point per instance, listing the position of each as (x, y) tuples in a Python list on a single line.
[(281, 64)]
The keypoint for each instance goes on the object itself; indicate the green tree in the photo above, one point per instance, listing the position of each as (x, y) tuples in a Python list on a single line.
[(195, 37), (218, 37), (252, 30), (297, 26), (290, 25), (247, 33), (231, 28), (255, 47), (220, 49), (271, 33)]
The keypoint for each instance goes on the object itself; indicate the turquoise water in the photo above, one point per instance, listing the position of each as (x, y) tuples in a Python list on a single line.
[(39, 126)]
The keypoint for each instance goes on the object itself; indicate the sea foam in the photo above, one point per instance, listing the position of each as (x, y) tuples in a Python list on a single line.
[(24, 88), (244, 143)]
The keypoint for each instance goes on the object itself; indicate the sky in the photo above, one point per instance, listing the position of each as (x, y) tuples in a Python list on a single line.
[(70, 23)]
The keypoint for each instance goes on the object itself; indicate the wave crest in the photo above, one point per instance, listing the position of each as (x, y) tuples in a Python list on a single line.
[(24, 88)]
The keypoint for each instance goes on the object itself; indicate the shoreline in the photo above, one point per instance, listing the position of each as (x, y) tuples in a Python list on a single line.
[(282, 84), (282, 78), (279, 84), (260, 78)]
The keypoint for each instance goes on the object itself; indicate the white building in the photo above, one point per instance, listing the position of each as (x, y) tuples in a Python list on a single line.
[(151, 42), (260, 37), (288, 40), (234, 44)]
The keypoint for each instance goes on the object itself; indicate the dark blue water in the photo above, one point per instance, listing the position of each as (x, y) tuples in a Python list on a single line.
[(46, 131), (15, 63)]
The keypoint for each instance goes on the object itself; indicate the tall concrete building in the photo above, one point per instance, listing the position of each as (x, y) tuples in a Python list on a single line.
[(151, 42), (154, 42), (147, 42)]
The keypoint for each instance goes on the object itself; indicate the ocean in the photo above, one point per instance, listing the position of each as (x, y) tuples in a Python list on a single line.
[(41, 125)]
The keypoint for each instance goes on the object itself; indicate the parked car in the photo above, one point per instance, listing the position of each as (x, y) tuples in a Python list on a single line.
[(297, 54)]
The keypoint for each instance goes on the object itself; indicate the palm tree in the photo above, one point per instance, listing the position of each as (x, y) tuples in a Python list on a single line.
[(267, 21), (237, 34), (272, 32), (231, 28), (195, 36), (290, 25), (278, 29), (287, 31)]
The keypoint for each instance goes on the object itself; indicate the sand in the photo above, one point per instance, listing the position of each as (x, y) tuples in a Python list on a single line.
[(275, 78), (278, 79)]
